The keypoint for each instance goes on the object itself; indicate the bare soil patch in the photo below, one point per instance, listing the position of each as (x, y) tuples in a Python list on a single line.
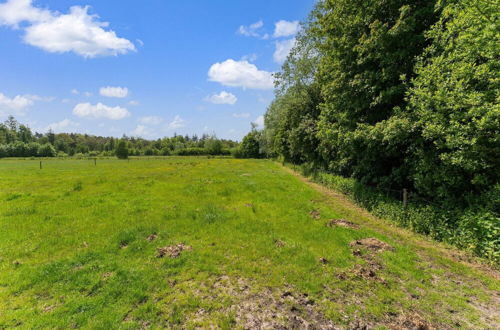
[(152, 237), (315, 214), (272, 308), (372, 244), (279, 243), (341, 223), (172, 251)]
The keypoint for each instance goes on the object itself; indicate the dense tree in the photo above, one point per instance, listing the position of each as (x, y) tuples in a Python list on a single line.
[(454, 103), (400, 94), (122, 150), (16, 140)]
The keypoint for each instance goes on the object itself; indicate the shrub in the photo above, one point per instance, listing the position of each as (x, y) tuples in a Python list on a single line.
[(46, 150), (122, 150)]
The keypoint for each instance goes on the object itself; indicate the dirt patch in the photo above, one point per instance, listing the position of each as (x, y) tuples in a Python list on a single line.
[(107, 275), (250, 205), (341, 223), (255, 307), (411, 321), (323, 260), (315, 214), (152, 237), (49, 308), (123, 245), (372, 244), (172, 251), (279, 243)]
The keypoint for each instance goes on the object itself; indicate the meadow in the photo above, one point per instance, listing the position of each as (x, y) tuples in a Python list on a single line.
[(196, 242)]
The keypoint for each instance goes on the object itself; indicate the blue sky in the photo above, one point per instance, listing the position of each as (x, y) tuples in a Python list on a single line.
[(143, 68)]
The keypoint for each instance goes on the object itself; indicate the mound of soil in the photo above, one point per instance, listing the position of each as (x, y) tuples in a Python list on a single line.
[(411, 321), (152, 237), (315, 214), (372, 244), (279, 243), (172, 251), (341, 223)]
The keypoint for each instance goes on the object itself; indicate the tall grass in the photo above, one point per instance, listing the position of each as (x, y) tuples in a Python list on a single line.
[(472, 228)]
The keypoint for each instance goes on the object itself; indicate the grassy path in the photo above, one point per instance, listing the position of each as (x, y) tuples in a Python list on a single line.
[(194, 242)]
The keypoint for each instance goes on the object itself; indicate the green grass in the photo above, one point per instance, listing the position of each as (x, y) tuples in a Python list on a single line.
[(74, 249)]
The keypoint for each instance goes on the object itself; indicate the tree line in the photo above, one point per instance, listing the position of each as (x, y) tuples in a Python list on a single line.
[(397, 94), (17, 140)]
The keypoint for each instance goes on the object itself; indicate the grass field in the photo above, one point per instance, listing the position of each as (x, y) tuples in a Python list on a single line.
[(246, 244)]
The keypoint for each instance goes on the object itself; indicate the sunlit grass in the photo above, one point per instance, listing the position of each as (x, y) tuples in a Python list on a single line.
[(74, 248)]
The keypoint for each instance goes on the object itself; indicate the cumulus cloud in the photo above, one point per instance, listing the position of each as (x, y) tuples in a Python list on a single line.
[(100, 111), (16, 105), (251, 30), (285, 28), (150, 120), (241, 115), (222, 98), (14, 12), (143, 131), (78, 31), (282, 50), (119, 92), (178, 122), (240, 74), (259, 122), (62, 125)]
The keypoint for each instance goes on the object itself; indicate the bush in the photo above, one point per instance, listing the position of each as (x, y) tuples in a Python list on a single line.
[(122, 150), (250, 146), (473, 228), (47, 150)]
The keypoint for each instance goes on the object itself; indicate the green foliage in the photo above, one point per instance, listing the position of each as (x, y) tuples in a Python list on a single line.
[(17, 140), (213, 146), (122, 150), (399, 94), (453, 103), (250, 146), (47, 150), (476, 229)]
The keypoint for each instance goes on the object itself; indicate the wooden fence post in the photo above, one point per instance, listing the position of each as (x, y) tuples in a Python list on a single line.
[(40, 164), (405, 198), (95, 161)]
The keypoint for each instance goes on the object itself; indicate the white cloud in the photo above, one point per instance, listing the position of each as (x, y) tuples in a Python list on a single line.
[(78, 31), (222, 98), (240, 74), (39, 98), (16, 105), (285, 28), (259, 121), (119, 92), (75, 91), (282, 50), (143, 131), (133, 103), (14, 12), (100, 111), (251, 30), (88, 94), (250, 57), (62, 125), (151, 120), (178, 122), (241, 115)]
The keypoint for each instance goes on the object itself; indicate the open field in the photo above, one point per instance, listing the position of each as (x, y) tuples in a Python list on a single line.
[(245, 244)]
